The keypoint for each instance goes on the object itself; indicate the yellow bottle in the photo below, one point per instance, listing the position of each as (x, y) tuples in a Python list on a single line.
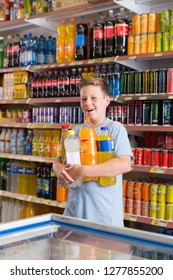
[(35, 142), (64, 133), (106, 152), (91, 72), (23, 210), (48, 143), (30, 210), (31, 178), (41, 143), (85, 72), (70, 41), (22, 178), (55, 143), (60, 43)]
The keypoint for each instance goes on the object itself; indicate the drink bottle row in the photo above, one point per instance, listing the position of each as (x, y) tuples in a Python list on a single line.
[(32, 179)]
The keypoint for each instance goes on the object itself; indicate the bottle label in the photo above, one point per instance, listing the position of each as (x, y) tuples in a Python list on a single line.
[(60, 50), (98, 34), (69, 49), (106, 145), (81, 40), (121, 29), (108, 32)]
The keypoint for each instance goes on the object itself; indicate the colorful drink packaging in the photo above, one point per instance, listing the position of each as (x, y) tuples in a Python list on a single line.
[(88, 146), (106, 152)]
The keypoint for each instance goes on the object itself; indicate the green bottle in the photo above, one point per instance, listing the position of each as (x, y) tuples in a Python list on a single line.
[(2, 51)]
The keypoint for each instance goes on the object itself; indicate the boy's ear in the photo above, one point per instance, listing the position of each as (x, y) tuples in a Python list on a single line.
[(107, 99)]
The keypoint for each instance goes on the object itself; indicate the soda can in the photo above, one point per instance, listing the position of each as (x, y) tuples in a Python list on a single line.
[(146, 112), (136, 24), (153, 192), (130, 189), (161, 195), (137, 44), (130, 45), (124, 82), (119, 113), (115, 113), (159, 42), (170, 80), (147, 156), (162, 81), (169, 194), (165, 41), (131, 113), (170, 159), (153, 209), (169, 212), (35, 115), (129, 206), (143, 43), (134, 154), (139, 156), (125, 182), (169, 141), (167, 108), (165, 20), (138, 190), (61, 115), (152, 22), (145, 80), (153, 81), (138, 112), (171, 24), (171, 43), (156, 110), (146, 191), (144, 23), (124, 114), (130, 82), (46, 115), (137, 207), (163, 158), (161, 210), (151, 43), (124, 204), (155, 157), (145, 205), (138, 82)]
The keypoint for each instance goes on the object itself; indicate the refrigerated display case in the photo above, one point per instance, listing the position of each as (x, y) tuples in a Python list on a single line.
[(57, 237)]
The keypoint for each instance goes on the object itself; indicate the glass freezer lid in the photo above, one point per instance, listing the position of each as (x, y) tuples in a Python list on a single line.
[(60, 238)]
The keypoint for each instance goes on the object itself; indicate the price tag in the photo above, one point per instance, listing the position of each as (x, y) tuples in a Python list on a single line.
[(108, 59), (170, 96), (128, 98), (132, 218), (126, 216), (155, 222), (91, 61), (158, 170), (143, 97), (79, 62), (158, 54), (57, 100), (132, 57), (163, 223)]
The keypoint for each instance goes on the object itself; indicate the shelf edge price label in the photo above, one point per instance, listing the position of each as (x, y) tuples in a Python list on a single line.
[(163, 223), (126, 216), (158, 170), (158, 54), (132, 218), (132, 57), (155, 222)]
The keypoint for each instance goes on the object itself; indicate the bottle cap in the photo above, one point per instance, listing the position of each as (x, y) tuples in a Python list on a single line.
[(65, 125), (86, 119)]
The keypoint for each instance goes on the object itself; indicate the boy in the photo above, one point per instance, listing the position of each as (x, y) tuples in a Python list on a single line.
[(92, 201)]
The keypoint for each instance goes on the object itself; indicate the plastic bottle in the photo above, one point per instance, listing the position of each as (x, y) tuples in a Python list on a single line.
[(121, 33), (53, 184), (48, 143), (7, 140), (55, 146), (8, 180), (72, 149), (17, 210), (13, 141), (106, 149), (9, 47), (10, 211), (31, 178), (39, 185), (41, 57), (61, 194), (41, 143), (23, 51), (3, 174), (30, 210), (60, 43), (88, 146), (22, 178), (70, 41), (98, 37), (81, 40), (46, 181), (21, 141), (64, 129), (50, 52), (31, 50), (2, 140), (2, 52), (29, 139), (16, 50), (35, 142), (109, 40), (1, 205), (14, 176), (4, 210), (23, 210)]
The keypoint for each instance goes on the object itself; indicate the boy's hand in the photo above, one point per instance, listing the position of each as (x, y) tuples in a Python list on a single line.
[(75, 171), (63, 177)]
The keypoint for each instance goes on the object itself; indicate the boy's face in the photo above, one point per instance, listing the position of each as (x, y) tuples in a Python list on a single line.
[(94, 103)]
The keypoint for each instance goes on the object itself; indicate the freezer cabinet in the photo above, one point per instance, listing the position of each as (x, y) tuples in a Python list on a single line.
[(57, 237)]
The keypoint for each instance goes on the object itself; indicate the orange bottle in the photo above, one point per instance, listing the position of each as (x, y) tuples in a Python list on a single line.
[(23, 210), (60, 44), (30, 211), (55, 147), (88, 146), (61, 194), (70, 41)]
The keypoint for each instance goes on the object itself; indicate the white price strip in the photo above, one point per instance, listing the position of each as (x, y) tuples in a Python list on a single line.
[(132, 218), (158, 170)]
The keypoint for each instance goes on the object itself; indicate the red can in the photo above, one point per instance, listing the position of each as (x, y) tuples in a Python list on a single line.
[(145, 208), (169, 141), (170, 80), (147, 156), (130, 189), (155, 157), (163, 158), (139, 156), (170, 159), (137, 207), (129, 206)]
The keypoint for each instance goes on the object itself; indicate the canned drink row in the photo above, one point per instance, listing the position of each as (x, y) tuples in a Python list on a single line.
[(118, 113), (162, 193), (153, 157), (144, 82), (158, 140)]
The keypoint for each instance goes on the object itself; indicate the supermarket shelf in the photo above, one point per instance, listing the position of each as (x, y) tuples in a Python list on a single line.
[(155, 128), (53, 100), (151, 169), (8, 123), (32, 125), (32, 198), (157, 96), (26, 158), (148, 220)]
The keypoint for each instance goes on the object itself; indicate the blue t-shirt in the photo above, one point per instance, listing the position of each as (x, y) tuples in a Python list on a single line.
[(94, 202)]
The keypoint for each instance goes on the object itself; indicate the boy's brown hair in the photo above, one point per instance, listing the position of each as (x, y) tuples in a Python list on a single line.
[(97, 82)]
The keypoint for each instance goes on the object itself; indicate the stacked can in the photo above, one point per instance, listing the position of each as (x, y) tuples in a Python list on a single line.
[(145, 198), (153, 200), (169, 202), (137, 203), (130, 196)]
